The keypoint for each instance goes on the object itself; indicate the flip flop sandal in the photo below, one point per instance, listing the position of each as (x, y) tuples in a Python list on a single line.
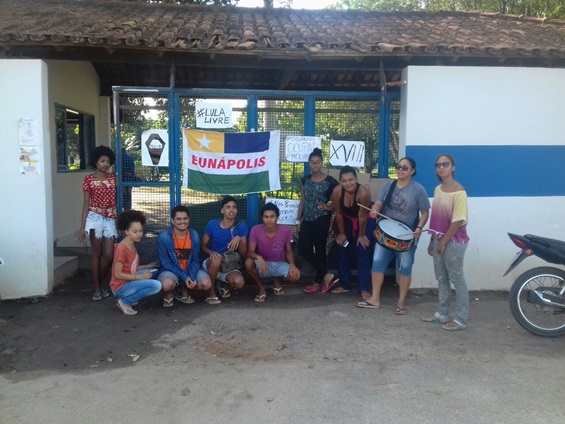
[(168, 303), (453, 326), (278, 291), (365, 304), (311, 289), (331, 285), (433, 320), (224, 293), (183, 299), (399, 311), (212, 300), (126, 309), (260, 298), (339, 290)]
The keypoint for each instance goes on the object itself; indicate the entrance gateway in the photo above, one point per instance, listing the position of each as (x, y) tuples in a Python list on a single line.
[(154, 189)]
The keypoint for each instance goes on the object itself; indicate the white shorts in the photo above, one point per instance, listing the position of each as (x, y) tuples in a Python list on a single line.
[(102, 226)]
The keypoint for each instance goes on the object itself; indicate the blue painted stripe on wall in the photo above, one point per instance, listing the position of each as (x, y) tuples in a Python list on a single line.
[(497, 171)]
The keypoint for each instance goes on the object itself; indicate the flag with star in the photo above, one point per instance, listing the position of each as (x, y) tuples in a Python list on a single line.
[(231, 163)]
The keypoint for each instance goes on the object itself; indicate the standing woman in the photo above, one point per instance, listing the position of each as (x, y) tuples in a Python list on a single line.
[(448, 227), (314, 214), (409, 204), (99, 215), (355, 232)]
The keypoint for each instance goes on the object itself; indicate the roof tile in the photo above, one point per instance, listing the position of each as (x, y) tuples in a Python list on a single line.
[(184, 27)]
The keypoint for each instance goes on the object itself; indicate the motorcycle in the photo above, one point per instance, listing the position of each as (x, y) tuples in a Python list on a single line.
[(537, 297)]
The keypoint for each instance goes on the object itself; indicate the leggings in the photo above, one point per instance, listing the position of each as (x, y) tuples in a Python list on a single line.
[(312, 244)]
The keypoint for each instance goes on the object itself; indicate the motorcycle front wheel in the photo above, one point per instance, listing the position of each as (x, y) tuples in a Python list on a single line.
[(529, 310)]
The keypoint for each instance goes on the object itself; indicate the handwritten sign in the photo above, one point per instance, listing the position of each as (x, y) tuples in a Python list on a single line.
[(298, 148), (288, 208), (350, 153), (213, 115)]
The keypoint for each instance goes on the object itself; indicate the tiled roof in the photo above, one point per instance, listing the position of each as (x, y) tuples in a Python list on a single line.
[(282, 33)]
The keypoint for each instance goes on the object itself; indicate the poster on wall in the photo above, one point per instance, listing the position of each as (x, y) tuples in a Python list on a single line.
[(298, 148), (288, 208), (28, 132), (231, 163), (155, 148), (29, 160), (213, 115), (350, 153)]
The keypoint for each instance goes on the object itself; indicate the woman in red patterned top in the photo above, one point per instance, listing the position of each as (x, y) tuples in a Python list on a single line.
[(99, 216)]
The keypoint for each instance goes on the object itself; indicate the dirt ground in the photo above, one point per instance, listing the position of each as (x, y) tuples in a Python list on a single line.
[(294, 359)]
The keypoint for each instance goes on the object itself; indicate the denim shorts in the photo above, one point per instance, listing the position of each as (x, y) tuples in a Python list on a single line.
[(404, 260), (274, 269), (221, 275), (102, 226), (168, 274)]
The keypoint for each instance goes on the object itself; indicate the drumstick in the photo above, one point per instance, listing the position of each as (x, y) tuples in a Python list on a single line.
[(378, 213), (410, 234)]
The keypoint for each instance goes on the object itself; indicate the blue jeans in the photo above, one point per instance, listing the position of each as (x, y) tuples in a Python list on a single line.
[(404, 260), (134, 291), (364, 257), (449, 269)]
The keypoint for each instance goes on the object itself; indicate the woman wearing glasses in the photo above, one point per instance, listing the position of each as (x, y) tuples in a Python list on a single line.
[(409, 204), (314, 213), (448, 227)]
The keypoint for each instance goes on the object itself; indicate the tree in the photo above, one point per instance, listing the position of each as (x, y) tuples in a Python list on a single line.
[(536, 8), (204, 2)]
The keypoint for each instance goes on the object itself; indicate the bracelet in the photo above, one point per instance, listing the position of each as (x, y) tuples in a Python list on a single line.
[(419, 227)]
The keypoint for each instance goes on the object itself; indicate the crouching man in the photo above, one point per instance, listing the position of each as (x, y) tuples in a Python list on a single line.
[(222, 235), (269, 254), (179, 254)]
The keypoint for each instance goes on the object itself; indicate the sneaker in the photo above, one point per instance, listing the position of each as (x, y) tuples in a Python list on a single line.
[(126, 309), (102, 294)]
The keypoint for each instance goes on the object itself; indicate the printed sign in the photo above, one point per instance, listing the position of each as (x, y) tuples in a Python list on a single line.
[(350, 153), (213, 115), (155, 148), (298, 148), (288, 208)]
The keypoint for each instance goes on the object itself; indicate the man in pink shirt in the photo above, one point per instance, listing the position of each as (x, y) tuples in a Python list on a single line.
[(269, 253)]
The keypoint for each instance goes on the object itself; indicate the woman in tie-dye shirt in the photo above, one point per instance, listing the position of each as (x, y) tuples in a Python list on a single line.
[(448, 228)]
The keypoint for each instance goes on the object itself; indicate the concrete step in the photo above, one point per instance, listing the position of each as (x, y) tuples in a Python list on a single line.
[(65, 267)]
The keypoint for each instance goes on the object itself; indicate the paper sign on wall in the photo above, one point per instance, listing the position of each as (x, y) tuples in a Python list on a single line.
[(350, 153), (298, 148), (288, 208), (155, 148), (213, 115)]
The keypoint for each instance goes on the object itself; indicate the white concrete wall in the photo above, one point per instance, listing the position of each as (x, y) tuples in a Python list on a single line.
[(26, 207), (501, 112), (76, 85)]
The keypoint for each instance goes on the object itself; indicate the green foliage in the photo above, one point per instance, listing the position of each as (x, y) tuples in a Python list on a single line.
[(536, 8), (206, 2)]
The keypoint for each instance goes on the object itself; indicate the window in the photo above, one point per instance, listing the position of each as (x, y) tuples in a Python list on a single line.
[(74, 132)]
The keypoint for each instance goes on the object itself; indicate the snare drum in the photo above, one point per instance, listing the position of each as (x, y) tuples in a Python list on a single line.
[(393, 235)]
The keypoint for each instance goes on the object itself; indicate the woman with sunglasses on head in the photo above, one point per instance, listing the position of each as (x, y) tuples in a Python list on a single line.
[(409, 204), (448, 227), (314, 214)]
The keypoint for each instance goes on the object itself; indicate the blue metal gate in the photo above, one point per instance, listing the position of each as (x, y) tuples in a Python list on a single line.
[(330, 115)]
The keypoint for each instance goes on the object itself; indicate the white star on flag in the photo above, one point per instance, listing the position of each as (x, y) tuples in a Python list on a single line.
[(204, 142)]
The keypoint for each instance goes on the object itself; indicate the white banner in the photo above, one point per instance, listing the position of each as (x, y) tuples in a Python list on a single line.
[(213, 115), (298, 148), (350, 153)]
